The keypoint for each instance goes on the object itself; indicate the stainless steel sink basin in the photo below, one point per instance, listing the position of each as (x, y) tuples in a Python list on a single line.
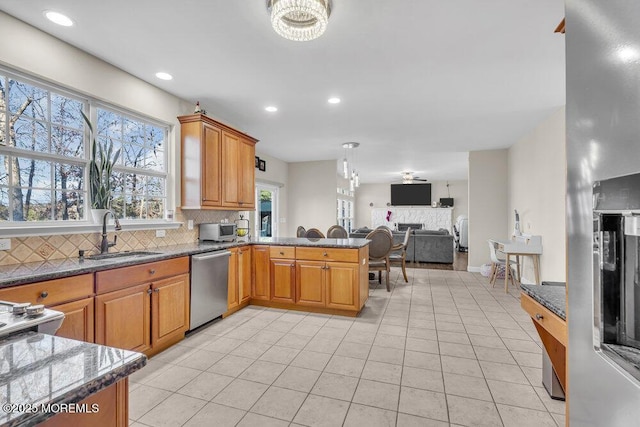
[(122, 255)]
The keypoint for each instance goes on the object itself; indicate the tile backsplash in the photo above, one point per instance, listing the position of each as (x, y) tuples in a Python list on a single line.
[(60, 246)]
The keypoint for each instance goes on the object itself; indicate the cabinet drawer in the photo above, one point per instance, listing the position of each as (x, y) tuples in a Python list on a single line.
[(286, 252), (327, 254), (120, 278), (51, 292), (545, 318)]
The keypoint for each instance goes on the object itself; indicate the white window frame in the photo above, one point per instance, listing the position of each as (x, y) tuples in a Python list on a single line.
[(36, 228)]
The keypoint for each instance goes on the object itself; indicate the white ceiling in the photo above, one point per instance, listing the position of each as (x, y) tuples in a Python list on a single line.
[(422, 82)]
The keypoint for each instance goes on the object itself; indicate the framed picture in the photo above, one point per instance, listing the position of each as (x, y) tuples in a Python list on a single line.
[(257, 161), (262, 165)]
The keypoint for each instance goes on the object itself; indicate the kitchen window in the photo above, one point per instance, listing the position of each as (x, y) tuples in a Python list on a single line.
[(44, 156), (345, 214), (141, 172)]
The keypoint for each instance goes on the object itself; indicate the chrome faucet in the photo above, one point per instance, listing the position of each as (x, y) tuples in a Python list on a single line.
[(105, 244)]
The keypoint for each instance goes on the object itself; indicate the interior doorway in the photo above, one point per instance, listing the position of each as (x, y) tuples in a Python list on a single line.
[(266, 219)]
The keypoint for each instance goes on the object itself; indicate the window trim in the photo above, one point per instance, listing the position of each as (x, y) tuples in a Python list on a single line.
[(52, 227)]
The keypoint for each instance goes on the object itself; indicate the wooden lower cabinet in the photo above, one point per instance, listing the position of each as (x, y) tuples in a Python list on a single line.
[(233, 290), (245, 269), (342, 285), (261, 286), (78, 320), (123, 318), (169, 309), (148, 316), (310, 283), (113, 402), (240, 276), (71, 295), (283, 280), (328, 280)]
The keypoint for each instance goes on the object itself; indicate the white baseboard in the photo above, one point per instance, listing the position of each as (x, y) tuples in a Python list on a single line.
[(473, 269)]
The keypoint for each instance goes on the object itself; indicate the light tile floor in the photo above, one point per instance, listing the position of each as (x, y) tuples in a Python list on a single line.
[(445, 349)]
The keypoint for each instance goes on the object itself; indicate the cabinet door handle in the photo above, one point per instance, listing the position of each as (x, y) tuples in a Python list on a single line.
[(44, 294), (539, 316), (281, 253), (149, 291), (325, 254), (152, 271), (292, 265), (156, 290)]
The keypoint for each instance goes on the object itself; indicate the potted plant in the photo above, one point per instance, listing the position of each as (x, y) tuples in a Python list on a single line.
[(100, 168)]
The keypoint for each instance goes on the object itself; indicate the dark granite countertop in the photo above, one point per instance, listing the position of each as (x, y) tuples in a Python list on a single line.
[(552, 297), (18, 274), (39, 369), (315, 243)]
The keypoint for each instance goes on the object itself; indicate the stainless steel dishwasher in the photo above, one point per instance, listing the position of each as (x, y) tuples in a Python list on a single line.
[(209, 276)]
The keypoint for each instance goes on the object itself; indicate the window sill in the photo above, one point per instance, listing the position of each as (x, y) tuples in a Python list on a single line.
[(83, 227)]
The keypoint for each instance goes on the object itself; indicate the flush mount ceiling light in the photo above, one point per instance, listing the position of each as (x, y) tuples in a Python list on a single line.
[(299, 20), (271, 109), (164, 76), (58, 18), (334, 100)]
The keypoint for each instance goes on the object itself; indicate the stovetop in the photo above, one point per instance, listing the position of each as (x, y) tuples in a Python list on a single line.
[(10, 323)]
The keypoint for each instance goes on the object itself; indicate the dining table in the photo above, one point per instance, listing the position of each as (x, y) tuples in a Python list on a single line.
[(521, 246)]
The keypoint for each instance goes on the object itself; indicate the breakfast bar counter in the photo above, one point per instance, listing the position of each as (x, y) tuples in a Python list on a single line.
[(58, 381)]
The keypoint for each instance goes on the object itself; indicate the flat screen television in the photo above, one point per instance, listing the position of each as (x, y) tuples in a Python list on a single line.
[(411, 194)]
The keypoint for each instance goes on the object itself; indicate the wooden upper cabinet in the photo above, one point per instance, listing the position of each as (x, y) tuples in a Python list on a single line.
[(211, 163), (218, 165), (231, 185)]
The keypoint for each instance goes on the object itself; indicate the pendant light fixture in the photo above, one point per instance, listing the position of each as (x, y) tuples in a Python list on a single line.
[(349, 165), (299, 20)]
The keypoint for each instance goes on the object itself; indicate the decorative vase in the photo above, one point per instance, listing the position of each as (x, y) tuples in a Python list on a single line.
[(98, 214)]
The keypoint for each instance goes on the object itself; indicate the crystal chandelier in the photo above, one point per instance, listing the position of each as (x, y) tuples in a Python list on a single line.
[(299, 20)]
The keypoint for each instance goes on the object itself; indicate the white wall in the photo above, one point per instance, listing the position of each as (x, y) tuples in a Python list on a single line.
[(380, 195), (459, 190), (36, 53), (537, 189), (312, 195), (276, 173), (488, 214)]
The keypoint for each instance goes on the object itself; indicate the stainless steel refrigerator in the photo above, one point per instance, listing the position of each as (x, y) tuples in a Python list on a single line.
[(603, 142)]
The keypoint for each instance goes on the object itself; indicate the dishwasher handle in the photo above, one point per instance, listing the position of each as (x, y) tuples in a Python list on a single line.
[(214, 255)]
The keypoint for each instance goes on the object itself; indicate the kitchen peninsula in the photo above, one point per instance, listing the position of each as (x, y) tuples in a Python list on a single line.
[(59, 382)]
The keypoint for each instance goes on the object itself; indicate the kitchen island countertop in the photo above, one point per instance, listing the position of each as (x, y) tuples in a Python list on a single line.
[(552, 297), (39, 369)]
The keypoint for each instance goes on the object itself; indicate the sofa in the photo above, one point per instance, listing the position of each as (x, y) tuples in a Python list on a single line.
[(433, 246)]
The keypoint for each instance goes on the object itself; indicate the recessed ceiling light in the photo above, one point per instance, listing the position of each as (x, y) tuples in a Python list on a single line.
[(271, 109), (628, 54), (58, 18), (164, 76), (334, 100)]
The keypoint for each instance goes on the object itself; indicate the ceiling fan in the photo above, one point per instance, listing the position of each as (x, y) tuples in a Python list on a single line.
[(408, 178)]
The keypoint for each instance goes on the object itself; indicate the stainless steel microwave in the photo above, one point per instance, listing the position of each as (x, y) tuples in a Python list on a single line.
[(218, 232)]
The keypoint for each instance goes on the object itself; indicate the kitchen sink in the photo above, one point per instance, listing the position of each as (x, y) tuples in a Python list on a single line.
[(121, 255)]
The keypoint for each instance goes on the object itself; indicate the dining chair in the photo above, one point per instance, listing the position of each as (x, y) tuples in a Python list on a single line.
[(337, 232), (401, 257), (300, 232), (385, 228), (498, 264), (314, 233), (379, 250)]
